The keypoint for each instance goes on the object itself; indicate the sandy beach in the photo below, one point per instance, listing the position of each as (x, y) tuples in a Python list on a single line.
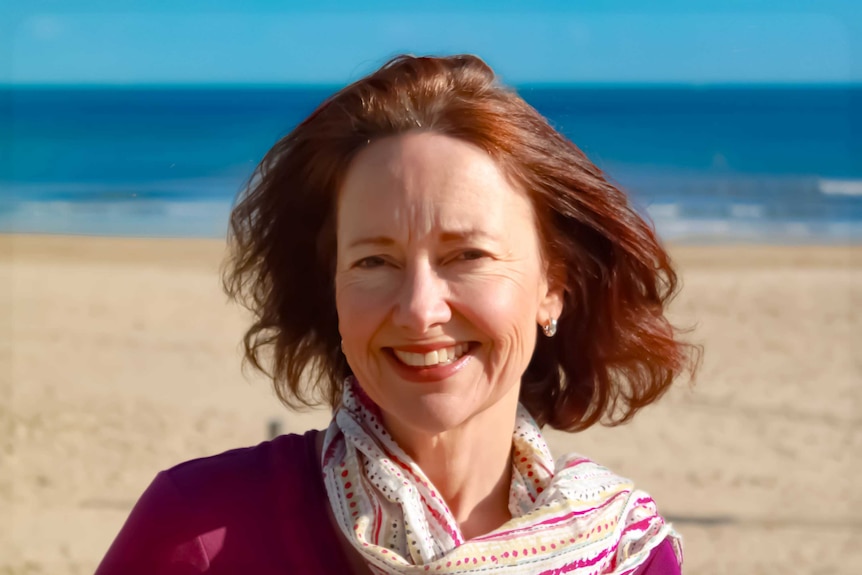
[(120, 358)]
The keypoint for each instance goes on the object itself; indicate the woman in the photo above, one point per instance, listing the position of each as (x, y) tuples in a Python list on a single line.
[(428, 256)]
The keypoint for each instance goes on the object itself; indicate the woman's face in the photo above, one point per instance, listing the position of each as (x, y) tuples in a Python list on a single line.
[(439, 283)]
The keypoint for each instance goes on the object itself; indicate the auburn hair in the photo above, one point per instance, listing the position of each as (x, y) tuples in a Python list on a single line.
[(614, 352)]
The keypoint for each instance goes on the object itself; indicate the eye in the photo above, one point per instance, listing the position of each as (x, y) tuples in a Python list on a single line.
[(370, 262), (472, 255)]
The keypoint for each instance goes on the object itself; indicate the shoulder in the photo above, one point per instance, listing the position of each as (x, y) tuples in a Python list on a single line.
[(235, 476), (227, 509), (243, 488), (662, 560)]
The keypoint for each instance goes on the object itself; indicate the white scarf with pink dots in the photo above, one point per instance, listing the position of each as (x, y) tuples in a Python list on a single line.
[(573, 517)]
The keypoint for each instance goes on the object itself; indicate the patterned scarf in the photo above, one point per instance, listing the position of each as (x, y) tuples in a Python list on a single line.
[(574, 517)]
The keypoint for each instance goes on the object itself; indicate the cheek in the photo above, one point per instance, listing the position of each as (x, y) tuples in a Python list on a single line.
[(361, 303), (504, 309)]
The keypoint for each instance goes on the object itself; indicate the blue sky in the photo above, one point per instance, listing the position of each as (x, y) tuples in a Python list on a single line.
[(332, 41)]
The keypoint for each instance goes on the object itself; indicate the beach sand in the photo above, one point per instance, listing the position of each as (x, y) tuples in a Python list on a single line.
[(119, 358)]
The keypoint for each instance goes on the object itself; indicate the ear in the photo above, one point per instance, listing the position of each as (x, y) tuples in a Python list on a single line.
[(551, 304)]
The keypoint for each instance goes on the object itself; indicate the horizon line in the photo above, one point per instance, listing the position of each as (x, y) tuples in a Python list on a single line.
[(337, 86)]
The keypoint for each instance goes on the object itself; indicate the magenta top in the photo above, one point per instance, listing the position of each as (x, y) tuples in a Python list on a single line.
[(258, 510)]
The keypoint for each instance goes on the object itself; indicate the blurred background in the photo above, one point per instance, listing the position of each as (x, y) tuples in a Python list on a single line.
[(127, 128)]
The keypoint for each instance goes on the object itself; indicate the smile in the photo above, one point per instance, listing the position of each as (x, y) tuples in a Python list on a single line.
[(442, 356)]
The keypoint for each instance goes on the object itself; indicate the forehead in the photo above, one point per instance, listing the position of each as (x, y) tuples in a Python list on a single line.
[(415, 184)]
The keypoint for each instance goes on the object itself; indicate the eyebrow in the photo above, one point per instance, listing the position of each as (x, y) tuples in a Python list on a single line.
[(461, 235), (372, 241), (447, 237)]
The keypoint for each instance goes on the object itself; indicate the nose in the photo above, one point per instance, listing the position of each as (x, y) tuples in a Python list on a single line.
[(422, 300)]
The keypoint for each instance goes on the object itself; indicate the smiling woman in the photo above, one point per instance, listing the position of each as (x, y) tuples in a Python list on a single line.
[(429, 257), (458, 267)]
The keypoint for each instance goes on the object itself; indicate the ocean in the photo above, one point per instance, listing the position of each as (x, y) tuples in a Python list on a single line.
[(706, 164)]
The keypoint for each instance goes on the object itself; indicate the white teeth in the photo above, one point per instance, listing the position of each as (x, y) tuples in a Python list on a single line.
[(438, 357), (414, 359)]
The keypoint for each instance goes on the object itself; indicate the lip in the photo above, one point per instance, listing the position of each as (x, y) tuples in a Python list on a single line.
[(428, 374)]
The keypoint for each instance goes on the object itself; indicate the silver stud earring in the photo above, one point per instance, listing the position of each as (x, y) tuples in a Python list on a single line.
[(550, 328)]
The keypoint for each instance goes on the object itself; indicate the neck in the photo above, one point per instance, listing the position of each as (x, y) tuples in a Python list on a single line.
[(470, 466)]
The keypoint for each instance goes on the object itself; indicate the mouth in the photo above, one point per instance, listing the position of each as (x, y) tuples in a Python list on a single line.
[(430, 359)]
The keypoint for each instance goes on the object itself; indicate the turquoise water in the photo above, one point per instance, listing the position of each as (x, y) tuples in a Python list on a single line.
[(713, 164)]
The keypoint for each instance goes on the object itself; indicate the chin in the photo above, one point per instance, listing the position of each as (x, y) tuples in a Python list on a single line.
[(432, 416)]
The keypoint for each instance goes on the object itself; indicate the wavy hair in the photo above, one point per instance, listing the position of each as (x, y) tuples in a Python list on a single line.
[(614, 352)]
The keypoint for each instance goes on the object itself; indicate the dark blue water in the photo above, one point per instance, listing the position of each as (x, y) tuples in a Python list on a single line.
[(705, 163)]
